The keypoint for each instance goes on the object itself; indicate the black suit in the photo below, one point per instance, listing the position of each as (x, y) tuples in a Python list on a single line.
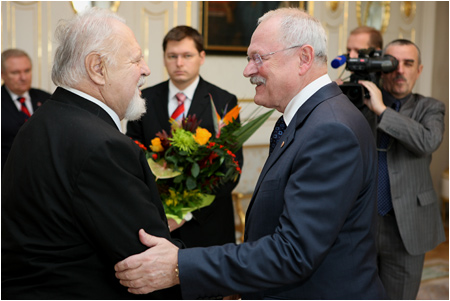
[(212, 225), (13, 119), (75, 192)]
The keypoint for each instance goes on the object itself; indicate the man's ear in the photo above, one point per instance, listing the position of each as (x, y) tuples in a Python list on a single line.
[(306, 57), (95, 68)]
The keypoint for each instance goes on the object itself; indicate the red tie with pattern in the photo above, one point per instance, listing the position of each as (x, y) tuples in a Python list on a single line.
[(24, 108), (179, 111)]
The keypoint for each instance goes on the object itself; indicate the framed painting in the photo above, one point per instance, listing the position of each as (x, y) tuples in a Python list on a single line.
[(227, 26)]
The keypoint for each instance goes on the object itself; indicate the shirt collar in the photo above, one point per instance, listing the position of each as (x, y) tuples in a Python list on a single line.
[(303, 96), (14, 96), (108, 110), (189, 91)]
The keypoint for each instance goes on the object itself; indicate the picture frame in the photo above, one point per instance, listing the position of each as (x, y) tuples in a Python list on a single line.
[(227, 26)]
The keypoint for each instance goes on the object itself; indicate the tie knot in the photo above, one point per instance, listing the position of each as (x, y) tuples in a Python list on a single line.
[(396, 105), (180, 97), (21, 99)]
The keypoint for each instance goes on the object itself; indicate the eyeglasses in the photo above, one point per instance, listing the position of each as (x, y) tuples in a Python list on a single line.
[(184, 56), (257, 58)]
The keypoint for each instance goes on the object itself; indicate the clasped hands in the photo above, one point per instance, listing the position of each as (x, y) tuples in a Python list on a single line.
[(151, 270)]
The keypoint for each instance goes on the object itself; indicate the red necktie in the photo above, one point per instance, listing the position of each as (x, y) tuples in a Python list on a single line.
[(179, 111), (24, 108)]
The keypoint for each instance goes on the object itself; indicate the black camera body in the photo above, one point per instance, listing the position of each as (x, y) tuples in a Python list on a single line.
[(368, 66)]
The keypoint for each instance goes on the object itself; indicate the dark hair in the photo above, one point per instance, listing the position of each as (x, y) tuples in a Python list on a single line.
[(403, 42), (180, 32), (375, 37)]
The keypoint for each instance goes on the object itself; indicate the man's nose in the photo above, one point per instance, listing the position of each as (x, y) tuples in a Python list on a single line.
[(250, 69)]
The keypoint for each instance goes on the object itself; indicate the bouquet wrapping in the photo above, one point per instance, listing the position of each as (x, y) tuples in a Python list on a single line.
[(189, 163)]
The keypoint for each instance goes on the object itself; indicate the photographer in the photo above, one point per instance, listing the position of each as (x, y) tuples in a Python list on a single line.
[(410, 128)]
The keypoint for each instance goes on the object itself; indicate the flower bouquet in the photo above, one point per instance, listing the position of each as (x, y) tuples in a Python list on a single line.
[(189, 163)]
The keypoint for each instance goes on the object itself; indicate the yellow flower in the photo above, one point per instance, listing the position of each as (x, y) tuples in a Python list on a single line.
[(156, 145), (202, 136), (232, 114)]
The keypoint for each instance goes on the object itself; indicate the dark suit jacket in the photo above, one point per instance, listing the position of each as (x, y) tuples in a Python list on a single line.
[(212, 225), (310, 226), (12, 119), (75, 192), (417, 131)]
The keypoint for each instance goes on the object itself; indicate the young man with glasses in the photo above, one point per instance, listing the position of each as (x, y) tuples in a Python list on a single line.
[(183, 57), (310, 231), (411, 127)]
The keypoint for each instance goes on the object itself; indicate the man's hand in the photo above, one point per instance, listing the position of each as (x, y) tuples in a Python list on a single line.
[(151, 270), (375, 102), (173, 225)]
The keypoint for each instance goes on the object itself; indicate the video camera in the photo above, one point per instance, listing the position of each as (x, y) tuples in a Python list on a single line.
[(368, 66)]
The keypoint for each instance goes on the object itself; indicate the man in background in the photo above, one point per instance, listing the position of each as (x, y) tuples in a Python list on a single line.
[(187, 93), (410, 128), (310, 226), (75, 190), (19, 100)]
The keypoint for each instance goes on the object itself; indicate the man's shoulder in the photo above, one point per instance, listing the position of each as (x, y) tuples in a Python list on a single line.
[(212, 88), (156, 88), (39, 94)]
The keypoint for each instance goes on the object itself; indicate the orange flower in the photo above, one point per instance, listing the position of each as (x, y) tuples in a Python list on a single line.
[(232, 114), (156, 145), (202, 136)]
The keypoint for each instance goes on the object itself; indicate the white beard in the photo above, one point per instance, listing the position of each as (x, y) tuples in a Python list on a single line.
[(136, 108)]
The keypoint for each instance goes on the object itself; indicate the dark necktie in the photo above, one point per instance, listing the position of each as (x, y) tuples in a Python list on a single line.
[(384, 186), (179, 111), (277, 132), (24, 108)]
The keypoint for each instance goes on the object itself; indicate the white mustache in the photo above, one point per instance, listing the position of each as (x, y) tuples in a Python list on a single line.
[(257, 80), (141, 81)]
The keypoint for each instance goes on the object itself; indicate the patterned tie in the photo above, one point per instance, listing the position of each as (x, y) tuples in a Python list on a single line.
[(179, 111), (277, 132), (24, 108), (384, 186)]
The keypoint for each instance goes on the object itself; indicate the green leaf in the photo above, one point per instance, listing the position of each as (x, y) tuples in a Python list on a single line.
[(214, 115), (248, 129), (161, 170), (191, 183), (195, 170)]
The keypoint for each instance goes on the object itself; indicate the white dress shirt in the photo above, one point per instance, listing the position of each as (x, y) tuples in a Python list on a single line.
[(302, 97), (189, 92)]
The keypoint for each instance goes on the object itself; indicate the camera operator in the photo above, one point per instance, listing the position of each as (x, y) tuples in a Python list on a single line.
[(362, 37), (410, 128)]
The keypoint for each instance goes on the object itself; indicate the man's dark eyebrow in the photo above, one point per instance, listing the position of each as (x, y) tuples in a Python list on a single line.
[(409, 61)]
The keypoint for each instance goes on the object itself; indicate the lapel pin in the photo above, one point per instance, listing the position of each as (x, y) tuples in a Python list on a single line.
[(282, 144)]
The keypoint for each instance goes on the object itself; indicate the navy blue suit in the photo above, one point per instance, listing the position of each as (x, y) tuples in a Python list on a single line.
[(310, 226), (13, 119)]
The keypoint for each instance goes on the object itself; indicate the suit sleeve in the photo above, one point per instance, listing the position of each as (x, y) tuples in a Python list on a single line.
[(114, 198), (422, 134), (315, 209)]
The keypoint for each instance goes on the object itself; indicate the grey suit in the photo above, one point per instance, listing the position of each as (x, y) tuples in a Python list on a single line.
[(417, 131)]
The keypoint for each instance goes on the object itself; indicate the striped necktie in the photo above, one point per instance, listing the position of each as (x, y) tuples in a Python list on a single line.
[(24, 108), (179, 111)]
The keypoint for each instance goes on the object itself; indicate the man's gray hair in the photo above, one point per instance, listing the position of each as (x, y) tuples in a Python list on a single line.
[(299, 28), (90, 31), (12, 52)]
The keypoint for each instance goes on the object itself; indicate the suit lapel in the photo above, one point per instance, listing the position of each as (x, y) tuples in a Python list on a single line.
[(161, 109), (201, 100), (324, 93)]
